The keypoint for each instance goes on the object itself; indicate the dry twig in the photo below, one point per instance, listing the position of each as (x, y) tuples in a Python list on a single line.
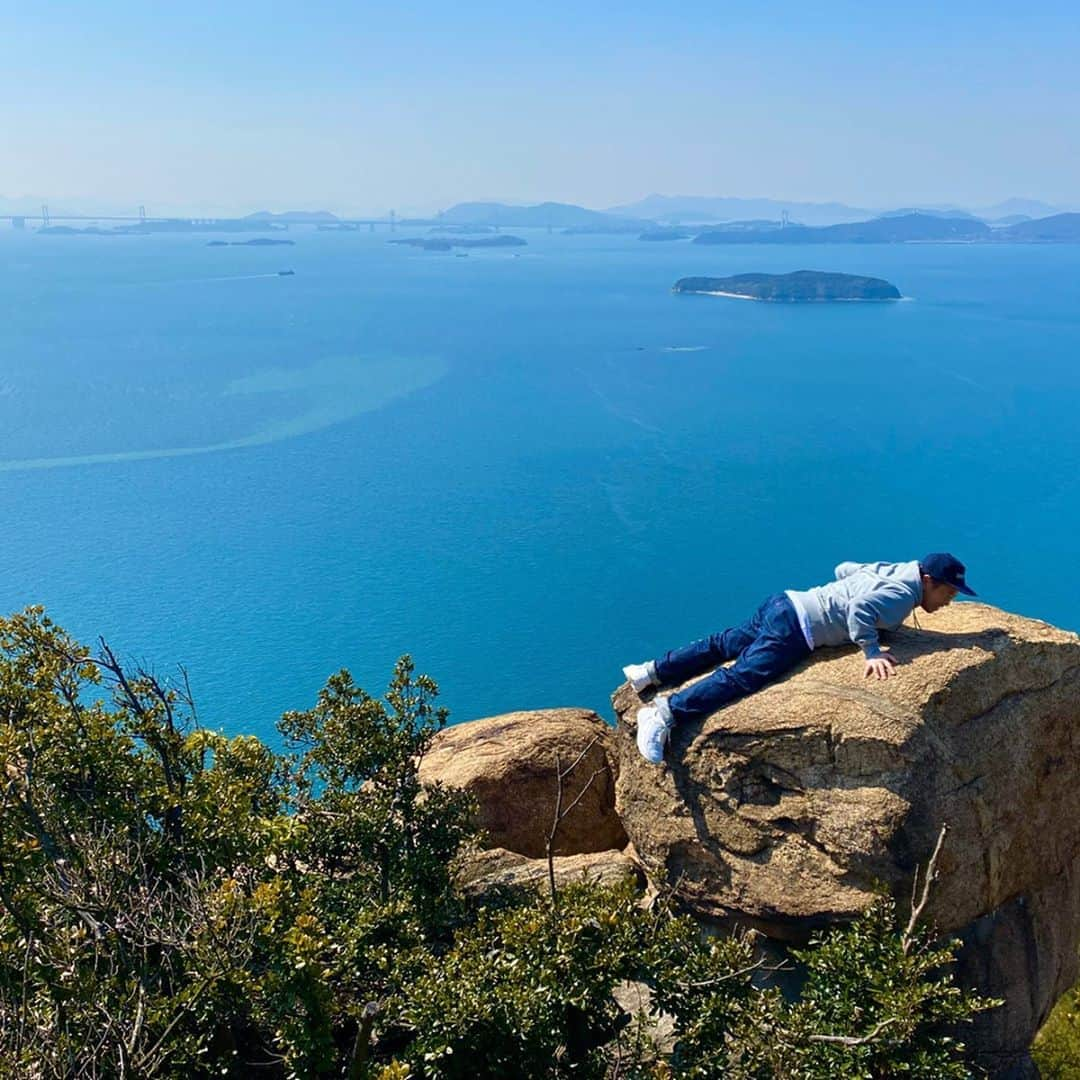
[(918, 903), (855, 1040), (562, 774)]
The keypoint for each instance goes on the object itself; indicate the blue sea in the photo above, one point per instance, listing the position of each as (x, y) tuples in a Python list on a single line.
[(525, 468)]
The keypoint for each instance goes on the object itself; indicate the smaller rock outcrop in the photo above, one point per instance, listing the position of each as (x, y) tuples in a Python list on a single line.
[(509, 764)]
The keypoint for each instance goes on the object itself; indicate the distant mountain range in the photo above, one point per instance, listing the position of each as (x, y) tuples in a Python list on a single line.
[(906, 229), (551, 215), (1031, 208), (689, 213), (682, 209), (295, 217), (679, 209), (1059, 229), (661, 217)]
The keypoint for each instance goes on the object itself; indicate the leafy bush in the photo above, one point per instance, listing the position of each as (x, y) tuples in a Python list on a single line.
[(1057, 1048), (175, 902)]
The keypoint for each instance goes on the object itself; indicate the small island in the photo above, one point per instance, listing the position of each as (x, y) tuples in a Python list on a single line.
[(661, 234), (802, 286), (439, 243), (425, 243), (259, 241)]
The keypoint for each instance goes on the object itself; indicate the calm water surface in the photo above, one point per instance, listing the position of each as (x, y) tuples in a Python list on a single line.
[(524, 469)]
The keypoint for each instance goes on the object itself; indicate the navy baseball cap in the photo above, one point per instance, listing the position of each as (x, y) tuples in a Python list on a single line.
[(946, 568)]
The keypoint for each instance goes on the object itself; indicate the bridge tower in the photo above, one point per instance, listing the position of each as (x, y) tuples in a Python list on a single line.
[(142, 214), (785, 219), (393, 221), (44, 216)]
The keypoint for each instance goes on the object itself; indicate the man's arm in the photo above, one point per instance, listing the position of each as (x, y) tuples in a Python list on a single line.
[(846, 569), (882, 605)]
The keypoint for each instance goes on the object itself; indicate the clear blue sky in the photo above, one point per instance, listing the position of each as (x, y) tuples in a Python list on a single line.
[(357, 107)]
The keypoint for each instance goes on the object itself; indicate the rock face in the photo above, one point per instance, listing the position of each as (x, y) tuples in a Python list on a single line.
[(509, 764), (783, 809)]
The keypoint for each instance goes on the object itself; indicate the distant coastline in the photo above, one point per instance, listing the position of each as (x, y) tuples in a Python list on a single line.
[(674, 220)]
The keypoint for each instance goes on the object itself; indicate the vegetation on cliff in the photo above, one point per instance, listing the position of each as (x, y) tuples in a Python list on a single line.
[(1057, 1048), (176, 902)]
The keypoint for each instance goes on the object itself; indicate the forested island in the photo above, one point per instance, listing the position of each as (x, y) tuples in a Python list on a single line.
[(802, 286)]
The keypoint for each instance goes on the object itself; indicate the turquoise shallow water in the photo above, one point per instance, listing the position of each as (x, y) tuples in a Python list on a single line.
[(524, 470)]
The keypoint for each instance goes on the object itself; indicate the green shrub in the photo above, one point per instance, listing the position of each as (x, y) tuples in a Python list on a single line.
[(1057, 1048), (177, 903)]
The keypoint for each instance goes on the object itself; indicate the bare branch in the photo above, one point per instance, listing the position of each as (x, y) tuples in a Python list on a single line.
[(581, 793), (562, 774), (758, 965), (581, 757), (918, 903), (550, 845), (855, 1040)]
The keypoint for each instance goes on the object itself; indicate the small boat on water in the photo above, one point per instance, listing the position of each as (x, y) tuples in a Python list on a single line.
[(286, 273)]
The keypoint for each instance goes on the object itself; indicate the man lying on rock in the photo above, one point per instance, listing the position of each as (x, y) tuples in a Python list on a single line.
[(864, 598)]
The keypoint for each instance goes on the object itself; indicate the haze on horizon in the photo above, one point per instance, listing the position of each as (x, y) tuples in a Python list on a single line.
[(362, 108)]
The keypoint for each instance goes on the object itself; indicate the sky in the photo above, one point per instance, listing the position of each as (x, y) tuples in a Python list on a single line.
[(362, 108)]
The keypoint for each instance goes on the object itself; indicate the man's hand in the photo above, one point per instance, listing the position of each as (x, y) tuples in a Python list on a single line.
[(880, 667)]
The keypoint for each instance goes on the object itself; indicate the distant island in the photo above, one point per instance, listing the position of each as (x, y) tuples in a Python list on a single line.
[(425, 243), (660, 234), (462, 230), (258, 241), (438, 243), (803, 286), (71, 230)]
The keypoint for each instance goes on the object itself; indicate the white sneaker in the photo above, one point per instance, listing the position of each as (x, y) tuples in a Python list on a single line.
[(641, 676), (653, 729)]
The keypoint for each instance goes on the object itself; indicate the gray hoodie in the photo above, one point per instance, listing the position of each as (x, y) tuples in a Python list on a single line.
[(864, 598)]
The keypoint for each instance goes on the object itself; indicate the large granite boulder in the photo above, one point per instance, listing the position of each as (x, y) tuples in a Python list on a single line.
[(782, 810), (509, 764)]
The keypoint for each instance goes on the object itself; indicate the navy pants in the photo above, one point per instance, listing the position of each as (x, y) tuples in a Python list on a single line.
[(766, 646)]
